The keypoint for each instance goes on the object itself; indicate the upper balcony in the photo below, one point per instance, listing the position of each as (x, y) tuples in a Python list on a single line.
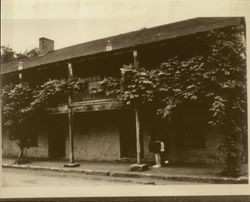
[(86, 100), (88, 94)]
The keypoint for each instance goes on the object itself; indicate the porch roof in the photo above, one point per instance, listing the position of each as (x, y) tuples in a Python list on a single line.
[(127, 40)]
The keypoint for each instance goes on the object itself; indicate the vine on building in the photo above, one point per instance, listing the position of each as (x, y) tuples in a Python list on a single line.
[(216, 79)]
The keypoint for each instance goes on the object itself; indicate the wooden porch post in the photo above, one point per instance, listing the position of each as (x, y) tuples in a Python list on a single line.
[(138, 166), (138, 136), (70, 121)]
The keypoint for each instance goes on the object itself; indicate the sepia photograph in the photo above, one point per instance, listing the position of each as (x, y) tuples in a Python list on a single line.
[(124, 95)]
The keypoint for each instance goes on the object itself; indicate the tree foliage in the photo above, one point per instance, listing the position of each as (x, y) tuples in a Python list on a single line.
[(24, 106), (16, 102), (8, 54)]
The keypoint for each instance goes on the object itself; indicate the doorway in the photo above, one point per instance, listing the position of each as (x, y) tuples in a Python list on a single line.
[(127, 134), (190, 125), (57, 134)]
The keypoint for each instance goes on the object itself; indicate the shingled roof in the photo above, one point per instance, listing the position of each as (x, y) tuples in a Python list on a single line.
[(131, 39)]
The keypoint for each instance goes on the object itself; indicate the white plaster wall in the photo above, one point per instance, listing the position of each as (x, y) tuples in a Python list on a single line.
[(10, 147), (100, 142), (148, 156), (42, 148)]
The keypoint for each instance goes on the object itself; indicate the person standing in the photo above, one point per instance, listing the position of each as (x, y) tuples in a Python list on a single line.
[(164, 161), (155, 147), (157, 143)]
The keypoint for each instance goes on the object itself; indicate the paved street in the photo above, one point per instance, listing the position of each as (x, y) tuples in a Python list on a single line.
[(20, 177)]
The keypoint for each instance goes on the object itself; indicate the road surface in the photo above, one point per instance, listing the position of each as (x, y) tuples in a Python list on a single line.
[(12, 177)]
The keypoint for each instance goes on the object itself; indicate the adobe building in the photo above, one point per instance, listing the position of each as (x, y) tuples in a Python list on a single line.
[(105, 128)]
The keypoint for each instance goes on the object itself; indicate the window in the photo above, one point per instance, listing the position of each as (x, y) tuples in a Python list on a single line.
[(33, 140)]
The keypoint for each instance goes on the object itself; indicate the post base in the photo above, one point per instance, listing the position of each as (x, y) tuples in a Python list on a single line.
[(139, 167), (72, 165)]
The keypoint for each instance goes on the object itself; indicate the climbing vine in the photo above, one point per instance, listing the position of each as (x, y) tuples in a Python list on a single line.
[(216, 79)]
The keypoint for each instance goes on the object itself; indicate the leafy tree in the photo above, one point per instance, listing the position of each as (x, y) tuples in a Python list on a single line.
[(16, 116), (32, 52), (25, 106), (8, 54)]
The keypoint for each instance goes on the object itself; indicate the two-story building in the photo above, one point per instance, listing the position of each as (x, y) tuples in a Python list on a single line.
[(104, 128)]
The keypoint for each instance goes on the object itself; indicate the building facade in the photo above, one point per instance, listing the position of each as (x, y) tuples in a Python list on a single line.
[(105, 128)]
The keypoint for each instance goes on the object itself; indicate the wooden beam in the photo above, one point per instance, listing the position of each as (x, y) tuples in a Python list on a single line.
[(70, 125), (138, 136), (138, 166), (87, 106), (99, 106), (137, 120), (71, 141)]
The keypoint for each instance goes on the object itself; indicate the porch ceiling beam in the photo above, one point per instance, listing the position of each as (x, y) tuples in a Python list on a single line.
[(104, 54)]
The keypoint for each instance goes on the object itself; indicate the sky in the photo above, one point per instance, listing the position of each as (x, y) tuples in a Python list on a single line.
[(70, 22)]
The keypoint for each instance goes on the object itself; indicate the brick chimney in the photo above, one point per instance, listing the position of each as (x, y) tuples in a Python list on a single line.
[(45, 45)]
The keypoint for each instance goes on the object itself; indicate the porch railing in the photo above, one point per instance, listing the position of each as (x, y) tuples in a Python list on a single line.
[(88, 95), (85, 95)]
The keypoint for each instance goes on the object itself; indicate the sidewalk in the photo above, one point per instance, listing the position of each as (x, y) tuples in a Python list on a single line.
[(192, 173)]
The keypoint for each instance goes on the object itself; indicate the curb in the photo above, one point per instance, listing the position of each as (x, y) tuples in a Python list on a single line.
[(215, 180), (56, 169), (125, 174)]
